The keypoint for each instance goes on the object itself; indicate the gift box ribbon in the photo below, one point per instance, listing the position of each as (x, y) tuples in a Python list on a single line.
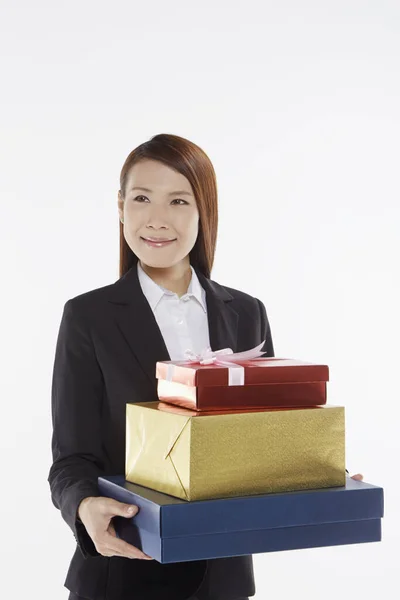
[(221, 358)]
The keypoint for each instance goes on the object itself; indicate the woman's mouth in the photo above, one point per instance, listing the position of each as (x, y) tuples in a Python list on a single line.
[(157, 242)]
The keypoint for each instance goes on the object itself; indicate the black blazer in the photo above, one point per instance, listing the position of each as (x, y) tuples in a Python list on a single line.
[(107, 348)]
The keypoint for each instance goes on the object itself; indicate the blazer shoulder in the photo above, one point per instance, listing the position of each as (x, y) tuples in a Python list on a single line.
[(89, 300), (238, 296)]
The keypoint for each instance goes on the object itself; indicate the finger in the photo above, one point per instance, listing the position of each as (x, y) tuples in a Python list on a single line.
[(123, 548), (137, 555), (358, 477), (113, 508), (109, 552)]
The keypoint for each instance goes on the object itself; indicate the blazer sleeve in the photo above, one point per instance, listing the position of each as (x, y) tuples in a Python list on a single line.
[(76, 397), (265, 330)]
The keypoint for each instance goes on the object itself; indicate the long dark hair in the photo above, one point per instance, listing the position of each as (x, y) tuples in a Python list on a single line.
[(191, 161)]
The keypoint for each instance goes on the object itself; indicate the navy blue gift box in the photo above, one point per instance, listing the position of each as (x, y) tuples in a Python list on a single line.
[(173, 530)]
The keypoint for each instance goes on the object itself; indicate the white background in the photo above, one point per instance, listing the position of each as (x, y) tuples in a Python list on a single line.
[(297, 106)]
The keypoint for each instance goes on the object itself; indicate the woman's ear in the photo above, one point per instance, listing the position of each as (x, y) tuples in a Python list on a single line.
[(120, 207)]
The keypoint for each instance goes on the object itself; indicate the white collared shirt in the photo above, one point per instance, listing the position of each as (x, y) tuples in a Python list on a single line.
[(183, 321)]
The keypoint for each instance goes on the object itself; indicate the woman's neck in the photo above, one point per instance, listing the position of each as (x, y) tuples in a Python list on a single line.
[(175, 279)]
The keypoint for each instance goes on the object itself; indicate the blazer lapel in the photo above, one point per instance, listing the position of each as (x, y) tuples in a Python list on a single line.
[(136, 321), (222, 318)]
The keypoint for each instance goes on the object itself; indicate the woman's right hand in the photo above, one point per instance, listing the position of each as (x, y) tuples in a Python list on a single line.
[(96, 514)]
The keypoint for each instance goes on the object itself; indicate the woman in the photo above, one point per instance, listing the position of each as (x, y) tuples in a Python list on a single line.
[(108, 344)]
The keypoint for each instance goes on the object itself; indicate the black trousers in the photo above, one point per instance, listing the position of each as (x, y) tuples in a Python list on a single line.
[(73, 596), (203, 595)]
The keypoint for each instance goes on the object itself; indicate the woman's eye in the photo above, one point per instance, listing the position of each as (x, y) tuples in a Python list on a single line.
[(138, 199)]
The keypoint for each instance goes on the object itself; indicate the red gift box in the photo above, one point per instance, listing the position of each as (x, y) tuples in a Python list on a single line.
[(268, 382)]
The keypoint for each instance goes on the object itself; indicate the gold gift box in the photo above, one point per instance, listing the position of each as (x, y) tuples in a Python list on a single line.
[(221, 454)]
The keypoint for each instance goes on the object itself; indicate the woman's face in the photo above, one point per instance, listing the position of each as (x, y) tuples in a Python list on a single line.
[(164, 209)]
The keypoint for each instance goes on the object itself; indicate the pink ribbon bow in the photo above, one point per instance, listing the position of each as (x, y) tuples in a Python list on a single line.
[(228, 359), (208, 356)]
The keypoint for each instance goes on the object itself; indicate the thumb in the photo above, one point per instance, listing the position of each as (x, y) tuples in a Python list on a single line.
[(121, 509)]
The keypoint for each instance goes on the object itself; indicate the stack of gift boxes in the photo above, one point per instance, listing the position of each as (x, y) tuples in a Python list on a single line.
[(236, 428), (239, 456)]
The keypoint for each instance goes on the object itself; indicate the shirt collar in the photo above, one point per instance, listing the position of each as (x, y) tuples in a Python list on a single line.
[(154, 292)]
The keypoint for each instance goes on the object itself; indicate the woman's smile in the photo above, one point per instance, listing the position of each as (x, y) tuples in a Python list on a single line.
[(157, 242)]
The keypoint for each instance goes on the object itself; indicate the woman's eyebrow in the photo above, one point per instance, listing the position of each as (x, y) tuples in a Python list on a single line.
[(181, 192)]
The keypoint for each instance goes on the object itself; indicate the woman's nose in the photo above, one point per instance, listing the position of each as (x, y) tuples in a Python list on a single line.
[(157, 218)]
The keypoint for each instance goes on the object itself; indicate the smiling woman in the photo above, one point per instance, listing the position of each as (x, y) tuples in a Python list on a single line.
[(109, 342)]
